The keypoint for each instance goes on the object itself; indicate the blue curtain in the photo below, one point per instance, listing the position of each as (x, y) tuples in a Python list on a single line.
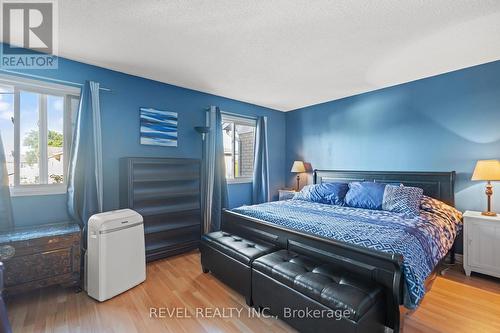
[(214, 193), (260, 184), (85, 192), (6, 218)]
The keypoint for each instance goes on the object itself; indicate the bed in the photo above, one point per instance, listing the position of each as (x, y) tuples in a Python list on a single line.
[(398, 252)]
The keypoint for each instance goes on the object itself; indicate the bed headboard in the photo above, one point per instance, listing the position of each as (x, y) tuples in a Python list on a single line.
[(439, 185)]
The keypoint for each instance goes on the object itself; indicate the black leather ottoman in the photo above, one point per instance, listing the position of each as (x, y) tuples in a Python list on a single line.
[(313, 296), (229, 257)]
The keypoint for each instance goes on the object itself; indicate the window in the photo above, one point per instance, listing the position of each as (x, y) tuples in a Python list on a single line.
[(36, 127), (239, 143)]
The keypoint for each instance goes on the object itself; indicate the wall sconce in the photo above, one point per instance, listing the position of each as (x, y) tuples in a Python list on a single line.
[(203, 130)]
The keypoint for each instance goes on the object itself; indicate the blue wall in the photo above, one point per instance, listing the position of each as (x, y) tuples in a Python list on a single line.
[(441, 123), (445, 123), (120, 121)]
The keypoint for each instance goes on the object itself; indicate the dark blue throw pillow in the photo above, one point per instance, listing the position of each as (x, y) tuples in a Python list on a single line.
[(330, 193), (327, 193), (368, 195)]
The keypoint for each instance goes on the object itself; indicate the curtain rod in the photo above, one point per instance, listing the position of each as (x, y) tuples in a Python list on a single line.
[(49, 79), (234, 114)]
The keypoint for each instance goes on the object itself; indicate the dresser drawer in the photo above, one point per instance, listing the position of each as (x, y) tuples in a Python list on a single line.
[(172, 242), (33, 246), (38, 266)]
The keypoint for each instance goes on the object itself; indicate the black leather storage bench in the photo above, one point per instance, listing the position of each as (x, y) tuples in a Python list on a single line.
[(314, 296), (229, 257)]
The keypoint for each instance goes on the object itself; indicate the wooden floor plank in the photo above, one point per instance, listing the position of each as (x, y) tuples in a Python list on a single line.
[(455, 303)]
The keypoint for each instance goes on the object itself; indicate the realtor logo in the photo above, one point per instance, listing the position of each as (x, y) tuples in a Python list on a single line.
[(29, 32)]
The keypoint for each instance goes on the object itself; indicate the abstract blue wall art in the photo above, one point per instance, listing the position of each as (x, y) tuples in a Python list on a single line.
[(158, 128)]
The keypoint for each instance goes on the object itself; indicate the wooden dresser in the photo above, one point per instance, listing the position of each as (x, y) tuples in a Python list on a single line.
[(40, 256), (166, 192)]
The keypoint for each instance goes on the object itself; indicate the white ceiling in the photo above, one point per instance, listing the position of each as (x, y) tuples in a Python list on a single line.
[(279, 53)]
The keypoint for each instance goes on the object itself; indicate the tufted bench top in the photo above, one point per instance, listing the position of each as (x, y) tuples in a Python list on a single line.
[(236, 247), (323, 282)]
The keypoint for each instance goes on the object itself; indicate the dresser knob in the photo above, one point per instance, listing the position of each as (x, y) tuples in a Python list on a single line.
[(7, 252)]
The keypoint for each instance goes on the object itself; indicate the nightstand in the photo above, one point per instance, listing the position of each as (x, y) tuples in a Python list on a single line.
[(286, 194), (481, 244)]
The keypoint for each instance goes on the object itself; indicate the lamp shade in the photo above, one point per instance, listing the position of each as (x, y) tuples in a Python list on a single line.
[(298, 166), (487, 170)]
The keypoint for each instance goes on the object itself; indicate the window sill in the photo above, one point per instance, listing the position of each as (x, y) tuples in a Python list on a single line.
[(239, 181), (30, 190)]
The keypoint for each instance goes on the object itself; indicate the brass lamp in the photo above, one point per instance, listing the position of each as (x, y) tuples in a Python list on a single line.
[(487, 170), (298, 167)]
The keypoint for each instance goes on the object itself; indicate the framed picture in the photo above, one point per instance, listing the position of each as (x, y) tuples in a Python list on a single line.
[(158, 127)]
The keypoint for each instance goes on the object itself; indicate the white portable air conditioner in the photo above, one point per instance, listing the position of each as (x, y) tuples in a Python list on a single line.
[(115, 260)]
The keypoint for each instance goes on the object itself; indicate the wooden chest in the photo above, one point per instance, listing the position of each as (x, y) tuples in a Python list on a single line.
[(40, 256)]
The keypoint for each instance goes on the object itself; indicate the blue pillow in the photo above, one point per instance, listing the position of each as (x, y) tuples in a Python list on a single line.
[(327, 193), (368, 195), (331, 193), (402, 199)]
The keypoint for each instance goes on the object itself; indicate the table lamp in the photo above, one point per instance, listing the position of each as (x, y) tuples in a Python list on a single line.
[(298, 167), (487, 170)]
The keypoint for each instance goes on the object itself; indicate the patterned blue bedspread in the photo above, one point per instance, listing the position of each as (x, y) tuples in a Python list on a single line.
[(423, 240)]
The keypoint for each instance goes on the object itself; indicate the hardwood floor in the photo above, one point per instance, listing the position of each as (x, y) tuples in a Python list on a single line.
[(454, 304), (457, 303)]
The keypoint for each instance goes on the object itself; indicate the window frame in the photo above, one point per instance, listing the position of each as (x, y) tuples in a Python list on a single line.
[(42, 88), (244, 121)]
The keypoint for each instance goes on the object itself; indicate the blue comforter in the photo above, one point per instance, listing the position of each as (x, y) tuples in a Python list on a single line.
[(422, 240)]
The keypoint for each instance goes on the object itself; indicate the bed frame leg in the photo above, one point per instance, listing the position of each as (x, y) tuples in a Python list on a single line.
[(452, 253)]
